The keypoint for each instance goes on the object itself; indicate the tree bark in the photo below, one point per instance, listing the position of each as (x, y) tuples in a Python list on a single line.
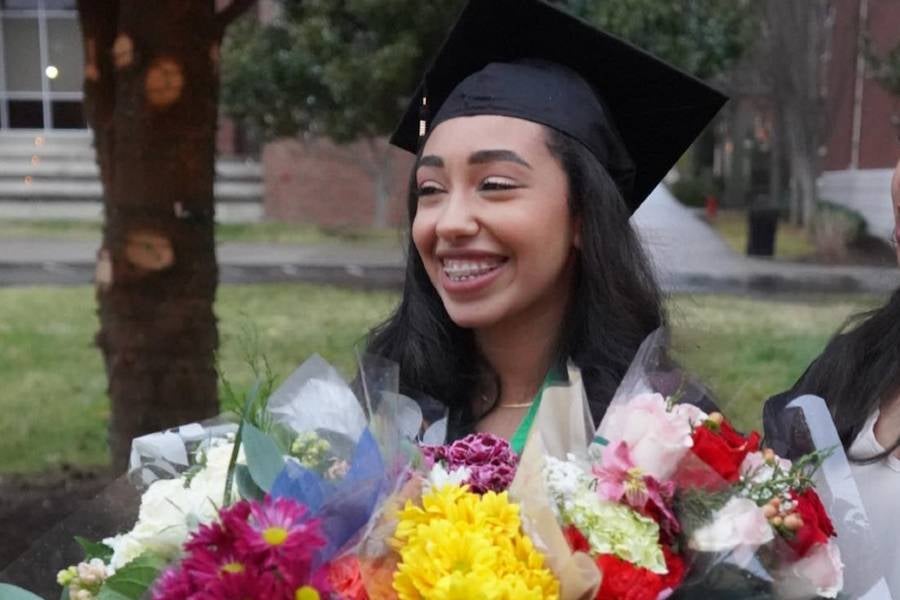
[(151, 91), (382, 175), (797, 30)]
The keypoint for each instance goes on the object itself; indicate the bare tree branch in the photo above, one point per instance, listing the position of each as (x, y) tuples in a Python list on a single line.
[(227, 15)]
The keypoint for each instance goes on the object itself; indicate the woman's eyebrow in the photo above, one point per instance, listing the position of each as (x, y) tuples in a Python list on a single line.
[(431, 160), (487, 156)]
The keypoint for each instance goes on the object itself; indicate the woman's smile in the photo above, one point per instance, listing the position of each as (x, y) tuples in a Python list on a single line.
[(466, 275)]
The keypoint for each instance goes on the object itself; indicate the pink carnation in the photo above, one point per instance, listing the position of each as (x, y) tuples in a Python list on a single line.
[(489, 458)]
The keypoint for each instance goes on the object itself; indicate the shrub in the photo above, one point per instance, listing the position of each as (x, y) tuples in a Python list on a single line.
[(835, 229), (693, 190)]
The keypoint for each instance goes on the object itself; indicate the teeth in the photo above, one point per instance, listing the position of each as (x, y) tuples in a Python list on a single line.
[(460, 270)]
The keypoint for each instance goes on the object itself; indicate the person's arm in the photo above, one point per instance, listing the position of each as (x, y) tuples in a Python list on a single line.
[(778, 431)]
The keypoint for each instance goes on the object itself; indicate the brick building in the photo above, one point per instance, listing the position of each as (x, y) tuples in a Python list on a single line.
[(863, 118)]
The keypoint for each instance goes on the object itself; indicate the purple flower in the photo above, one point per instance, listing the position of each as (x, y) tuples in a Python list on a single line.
[(479, 449), (489, 458), (434, 454)]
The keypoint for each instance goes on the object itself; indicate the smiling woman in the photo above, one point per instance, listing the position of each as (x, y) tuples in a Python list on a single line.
[(522, 257), (493, 227)]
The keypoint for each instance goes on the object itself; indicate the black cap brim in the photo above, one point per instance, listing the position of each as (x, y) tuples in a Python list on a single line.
[(658, 110)]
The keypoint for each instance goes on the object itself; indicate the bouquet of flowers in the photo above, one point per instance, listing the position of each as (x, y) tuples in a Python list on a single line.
[(320, 491), (269, 507), (670, 500), (456, 530)]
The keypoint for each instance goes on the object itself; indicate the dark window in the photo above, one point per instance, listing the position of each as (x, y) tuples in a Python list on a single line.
[(34, 4), (26, 114), (20, 4), (21, 54), (68, 114)]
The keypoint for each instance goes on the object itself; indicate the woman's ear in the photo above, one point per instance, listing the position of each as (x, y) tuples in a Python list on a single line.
[(576, 233)]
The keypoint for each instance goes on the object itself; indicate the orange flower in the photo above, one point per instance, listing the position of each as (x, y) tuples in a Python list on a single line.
[(346, 579)]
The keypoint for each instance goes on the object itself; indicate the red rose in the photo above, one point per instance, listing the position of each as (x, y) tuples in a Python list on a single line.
[(622, 580), (675, 565), (817, 526), (577, 541), (724, 449)]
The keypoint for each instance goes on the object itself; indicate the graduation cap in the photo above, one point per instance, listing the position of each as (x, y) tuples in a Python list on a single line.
[(528, 59)]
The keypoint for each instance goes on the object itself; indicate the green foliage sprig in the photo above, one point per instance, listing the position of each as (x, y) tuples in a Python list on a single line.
[(798, 478), (885, 69), (251, 406)]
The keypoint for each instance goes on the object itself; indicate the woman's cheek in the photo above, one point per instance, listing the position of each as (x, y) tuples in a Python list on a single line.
[(423, 236)]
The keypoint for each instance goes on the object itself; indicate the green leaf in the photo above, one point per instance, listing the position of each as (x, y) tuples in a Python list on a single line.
[(65, 594), (133, 580), (11, 592), (264, 459), (247, 489), (94, 549)]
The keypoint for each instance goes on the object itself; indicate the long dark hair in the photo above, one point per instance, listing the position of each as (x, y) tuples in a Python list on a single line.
[(615, 304), (858, 371)]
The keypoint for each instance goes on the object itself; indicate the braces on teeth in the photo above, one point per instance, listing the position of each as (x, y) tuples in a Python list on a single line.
[(459, 271)]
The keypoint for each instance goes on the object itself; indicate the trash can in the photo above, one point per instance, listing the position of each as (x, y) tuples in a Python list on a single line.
[(762, 225)]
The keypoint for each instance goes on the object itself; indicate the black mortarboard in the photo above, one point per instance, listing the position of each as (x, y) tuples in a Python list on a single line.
[(528, 59)]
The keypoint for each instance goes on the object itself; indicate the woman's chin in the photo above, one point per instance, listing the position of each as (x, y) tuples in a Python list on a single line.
[(474, 315)]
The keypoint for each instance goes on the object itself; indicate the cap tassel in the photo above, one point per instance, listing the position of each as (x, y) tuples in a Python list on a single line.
[(424, 115)]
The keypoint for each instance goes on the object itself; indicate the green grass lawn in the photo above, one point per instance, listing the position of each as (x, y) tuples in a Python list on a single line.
[(791, 242), (54, 411), (270, 232)]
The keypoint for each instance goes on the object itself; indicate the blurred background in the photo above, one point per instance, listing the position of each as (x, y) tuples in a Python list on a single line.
[(184, 185)]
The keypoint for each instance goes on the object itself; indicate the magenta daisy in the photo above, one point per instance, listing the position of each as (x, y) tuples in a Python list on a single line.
[(205, 566), (219, 536), (174, 584), (281, 533)]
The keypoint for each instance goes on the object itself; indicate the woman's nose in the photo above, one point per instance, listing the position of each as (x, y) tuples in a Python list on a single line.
[(457, 219)]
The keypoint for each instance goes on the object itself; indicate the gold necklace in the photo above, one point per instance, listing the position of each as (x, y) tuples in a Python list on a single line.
[(519, 405)]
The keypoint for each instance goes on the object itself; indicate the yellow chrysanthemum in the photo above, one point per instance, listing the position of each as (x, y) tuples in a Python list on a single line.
[(461, 545)]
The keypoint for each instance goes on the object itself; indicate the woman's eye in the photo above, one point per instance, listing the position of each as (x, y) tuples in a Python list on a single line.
[(428, 189), (493, 184)]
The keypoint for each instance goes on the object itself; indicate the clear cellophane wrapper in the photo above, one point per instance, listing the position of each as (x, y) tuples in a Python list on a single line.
[(771, 570)]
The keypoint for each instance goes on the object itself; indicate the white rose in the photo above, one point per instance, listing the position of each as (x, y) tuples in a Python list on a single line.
[(739, 526), (823, 568), (759, 471), (210, 482), (126, 548), (170, 511)]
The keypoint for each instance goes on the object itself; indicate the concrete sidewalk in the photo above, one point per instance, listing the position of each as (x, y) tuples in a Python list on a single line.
[(688, 257)]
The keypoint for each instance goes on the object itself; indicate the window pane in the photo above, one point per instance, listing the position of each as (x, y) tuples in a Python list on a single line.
[(59, 4), (26, 114), (21, 55), (29, 4), (67, 114), (64, 54)]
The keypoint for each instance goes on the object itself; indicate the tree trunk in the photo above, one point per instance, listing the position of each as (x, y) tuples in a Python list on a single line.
[(798, 30), (775, 175), (382, 175), (737, 178), (151, 87)]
